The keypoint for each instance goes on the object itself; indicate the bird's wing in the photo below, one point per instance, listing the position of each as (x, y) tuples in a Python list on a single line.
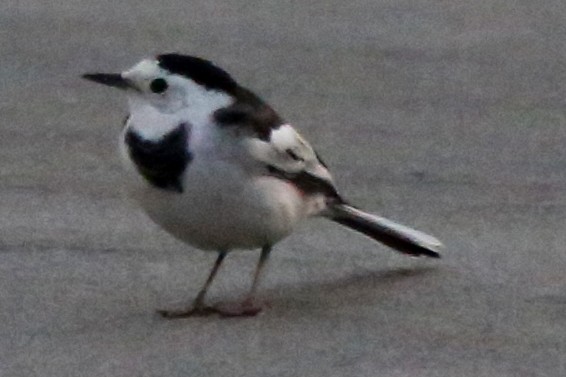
[(287, 155), (275, 145)]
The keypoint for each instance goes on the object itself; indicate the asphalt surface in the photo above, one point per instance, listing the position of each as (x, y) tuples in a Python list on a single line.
[(444, 115)]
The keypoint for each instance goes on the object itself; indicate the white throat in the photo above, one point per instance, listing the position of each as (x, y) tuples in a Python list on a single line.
[(154, 120), (149, 122)]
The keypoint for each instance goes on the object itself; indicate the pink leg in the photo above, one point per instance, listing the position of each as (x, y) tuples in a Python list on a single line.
[(249, 307), (198, 307)]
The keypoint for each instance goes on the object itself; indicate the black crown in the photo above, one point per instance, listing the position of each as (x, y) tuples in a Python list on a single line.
[(201, 71)]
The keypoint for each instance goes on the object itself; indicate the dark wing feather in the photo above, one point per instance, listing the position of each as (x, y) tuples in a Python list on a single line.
[(308, 183), (249, 111)]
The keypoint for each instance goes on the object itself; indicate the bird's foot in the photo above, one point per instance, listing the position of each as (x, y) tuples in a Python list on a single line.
[(196, 311), (246, 308)]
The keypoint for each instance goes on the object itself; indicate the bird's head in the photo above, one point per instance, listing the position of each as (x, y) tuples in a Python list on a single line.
[(171, 82)]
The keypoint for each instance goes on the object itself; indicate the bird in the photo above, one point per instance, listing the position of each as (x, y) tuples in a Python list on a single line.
[(215, 166)]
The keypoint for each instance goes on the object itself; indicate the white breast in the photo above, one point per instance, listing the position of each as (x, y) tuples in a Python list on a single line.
[(223, 206)]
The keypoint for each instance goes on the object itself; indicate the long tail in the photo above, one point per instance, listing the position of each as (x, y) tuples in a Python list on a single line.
[(396, 236)]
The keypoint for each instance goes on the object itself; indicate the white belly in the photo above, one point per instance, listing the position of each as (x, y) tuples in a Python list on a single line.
[(221, 208)]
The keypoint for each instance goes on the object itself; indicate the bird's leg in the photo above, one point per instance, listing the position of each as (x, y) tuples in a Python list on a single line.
[(248, 307), (265, 251), (198, 307)]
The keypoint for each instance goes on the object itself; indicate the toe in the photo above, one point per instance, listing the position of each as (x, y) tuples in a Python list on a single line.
[(243, 309), (192, 312)]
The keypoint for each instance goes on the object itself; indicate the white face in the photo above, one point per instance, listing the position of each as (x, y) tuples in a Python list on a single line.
[(169, 93)]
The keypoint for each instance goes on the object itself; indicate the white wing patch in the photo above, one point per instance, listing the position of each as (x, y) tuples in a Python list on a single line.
[(288, 151)]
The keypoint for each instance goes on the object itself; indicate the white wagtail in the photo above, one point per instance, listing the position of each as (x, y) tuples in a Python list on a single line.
[(218, 168)]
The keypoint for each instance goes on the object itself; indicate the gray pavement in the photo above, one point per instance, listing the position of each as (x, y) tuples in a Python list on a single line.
[(445, 115)]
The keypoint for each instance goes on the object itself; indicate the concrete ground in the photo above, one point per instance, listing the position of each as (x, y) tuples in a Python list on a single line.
[(445, 115)]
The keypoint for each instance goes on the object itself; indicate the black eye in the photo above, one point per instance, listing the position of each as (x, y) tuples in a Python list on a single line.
[(158, 86)]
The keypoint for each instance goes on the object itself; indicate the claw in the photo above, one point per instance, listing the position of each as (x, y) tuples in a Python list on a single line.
[(247, 308), (202, 311)]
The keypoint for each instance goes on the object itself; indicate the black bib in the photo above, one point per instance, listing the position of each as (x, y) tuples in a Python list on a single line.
[(161, 162)]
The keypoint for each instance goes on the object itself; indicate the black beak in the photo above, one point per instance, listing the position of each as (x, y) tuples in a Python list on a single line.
[(111, 79)]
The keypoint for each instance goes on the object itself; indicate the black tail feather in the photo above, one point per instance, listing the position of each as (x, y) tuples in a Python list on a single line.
[(382, 231)]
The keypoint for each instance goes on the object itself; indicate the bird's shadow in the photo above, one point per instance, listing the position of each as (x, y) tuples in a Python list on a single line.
[(334, 295), (346, 291)]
